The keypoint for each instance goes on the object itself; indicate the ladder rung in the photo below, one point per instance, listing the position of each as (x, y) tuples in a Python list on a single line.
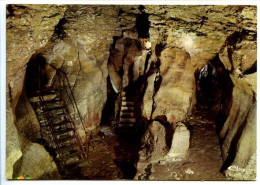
[(69, 156), (75, 163), (60, 132), (67, 148), (65, 139), (55, 107), (47, 97)]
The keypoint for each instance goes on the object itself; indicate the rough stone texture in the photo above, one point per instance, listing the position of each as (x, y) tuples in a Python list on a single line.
[(239, 133), (83, 55), (156, 137), (148, 97), (13, 148), (28, 29), (202, 162), (36, 163), (154, 146), (175, 96), (26, 120), (180, 141), (187, 37)]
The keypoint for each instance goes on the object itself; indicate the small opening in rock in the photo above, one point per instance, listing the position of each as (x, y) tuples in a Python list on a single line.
[(36, 75), (142, 24), (251, 70), (59, 30), (214, 91)]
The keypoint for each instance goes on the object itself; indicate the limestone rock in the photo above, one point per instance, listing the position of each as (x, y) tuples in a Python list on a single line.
[(115, 79), (13, 147), (154, 146), (155, 141), (26, 120), (241, 54), (36, 163), (180, 141), (148, 97), (175, 97), (239, 130)]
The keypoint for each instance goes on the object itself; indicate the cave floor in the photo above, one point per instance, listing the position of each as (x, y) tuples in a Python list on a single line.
[(203, 161), (100, 164)]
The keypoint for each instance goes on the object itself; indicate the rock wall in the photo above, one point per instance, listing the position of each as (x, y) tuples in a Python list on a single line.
[(28, 30), (81, 51), (183, 43), (83, 54)]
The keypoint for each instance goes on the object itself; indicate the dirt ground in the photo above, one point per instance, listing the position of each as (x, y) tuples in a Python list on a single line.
[(111, 159), (203, 161)]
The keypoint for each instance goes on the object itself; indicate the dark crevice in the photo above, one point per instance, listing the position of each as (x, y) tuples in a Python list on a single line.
[(251, 70), (108, 112), (231, 43), (10, 11), (142, 23), (120, 12), (233, 146), (214, 91), (59, 29), (33, 74), (147, 61), (162, 119)]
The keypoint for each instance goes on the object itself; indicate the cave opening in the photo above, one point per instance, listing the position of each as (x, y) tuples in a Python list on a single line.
[(214, 91), (142, 23), (36, 75), (128, 142)]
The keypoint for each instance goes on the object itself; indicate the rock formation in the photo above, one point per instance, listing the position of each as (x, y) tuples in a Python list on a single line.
[(156, 48)]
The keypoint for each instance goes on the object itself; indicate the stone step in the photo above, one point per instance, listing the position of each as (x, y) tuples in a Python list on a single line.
[(128, 98), (127, 114), (67, 148), (127, 103), (126, 130), (127, 108), (127, 120), (120, 125), (127, 93)]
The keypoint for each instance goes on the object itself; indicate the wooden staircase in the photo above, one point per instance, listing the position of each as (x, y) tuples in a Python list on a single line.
[(127, 113), (59, 132)]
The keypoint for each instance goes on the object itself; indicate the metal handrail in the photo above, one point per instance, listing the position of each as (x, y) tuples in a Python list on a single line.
[(63, 82)]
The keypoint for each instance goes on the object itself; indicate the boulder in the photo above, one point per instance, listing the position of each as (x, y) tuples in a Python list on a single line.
[(37, 163), (180, 141), (175, 97), (154, 146)]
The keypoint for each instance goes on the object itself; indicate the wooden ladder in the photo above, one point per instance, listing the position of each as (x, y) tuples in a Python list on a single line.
[(59, 131)]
